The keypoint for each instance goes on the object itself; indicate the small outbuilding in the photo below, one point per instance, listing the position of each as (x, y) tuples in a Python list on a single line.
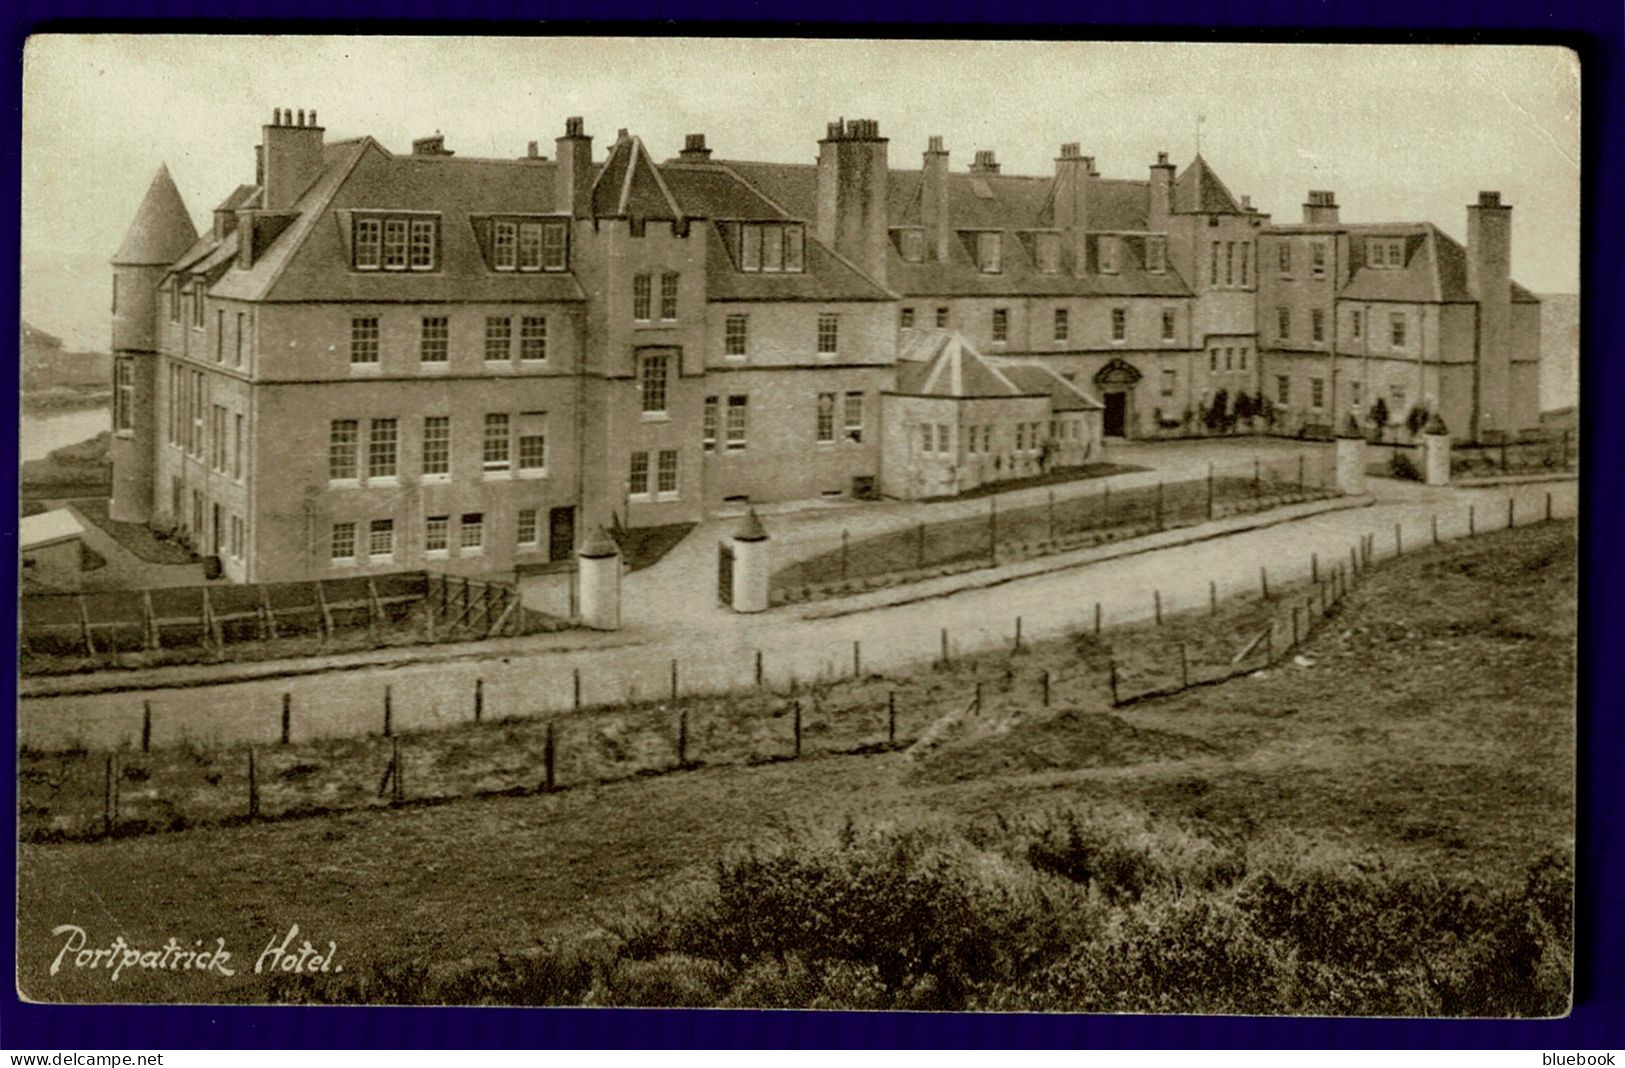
[(52, 547)]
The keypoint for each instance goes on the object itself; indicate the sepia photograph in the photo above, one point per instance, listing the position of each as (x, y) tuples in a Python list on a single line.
[(993, 526)]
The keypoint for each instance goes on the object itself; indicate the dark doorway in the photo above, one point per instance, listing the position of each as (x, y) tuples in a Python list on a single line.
[(1116, 419), (561, 533)]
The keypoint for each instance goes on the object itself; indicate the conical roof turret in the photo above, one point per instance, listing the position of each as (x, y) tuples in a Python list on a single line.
[(162, 228), (751, 529)]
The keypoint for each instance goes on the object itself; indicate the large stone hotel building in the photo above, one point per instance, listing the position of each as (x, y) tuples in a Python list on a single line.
[(374, 361)]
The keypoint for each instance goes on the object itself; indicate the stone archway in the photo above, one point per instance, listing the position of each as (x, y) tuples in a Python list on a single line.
[(1116, 382)]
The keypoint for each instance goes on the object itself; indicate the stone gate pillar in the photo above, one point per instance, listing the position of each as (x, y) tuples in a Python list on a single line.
[(1436, 452), (1350, 458), (598, 564), (752, 565)]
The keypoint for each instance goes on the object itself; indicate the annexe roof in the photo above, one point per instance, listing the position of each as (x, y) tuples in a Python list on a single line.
[(827, 277), (943, 363), (47, 528), (1034, 377)]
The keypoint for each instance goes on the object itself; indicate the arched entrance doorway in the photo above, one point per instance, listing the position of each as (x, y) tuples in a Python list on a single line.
[(1116, 382)]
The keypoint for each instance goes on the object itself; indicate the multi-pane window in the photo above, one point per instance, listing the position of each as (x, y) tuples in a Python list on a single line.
[(219, 336), (942, 318), (383, 448), (1283, 389), (197, 304), (1283, 322), (435, 339), (237, 447), (1170, 380), (498, 339), (1001, 325), (1049, 253), (905, 318), (495, 453), (533, 338), (343, 440), (394, 244), (1317, 393), (768, 247), (738, 421), (1021, 437), (504, 245), (1229, 263), (1354, 393), (928, 439), (175, 301), (343, 541), (1396, 397), (423, 241), (1317, 259), (637, 479), (666, 472), (533, 442), (1167, 324), (1119, 324), (826, 417), (1063, 324), (368, 241), (668, 296), (641, 297), (1246, 260), (530, 246), (471, 532), (1243, 357), (972, 436), (852, 417), (990, 252), (1229, 359), (237, 360), (1396, 329), (124, 393), (1156, 254), (364, 341), (734, 335), (829, 337), (198, 393), (1317, 324), (555, 252), (437, 445), (708, 425), (1213, 264), (381, 538), (436, 533), (1110, 251), (1285, 257), (1213, 359), (527, 527), (943, 442), (238, 532), (652, 372), (1386, 252)]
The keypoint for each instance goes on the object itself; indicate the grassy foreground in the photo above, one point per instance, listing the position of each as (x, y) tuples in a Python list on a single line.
[(1383, 826)]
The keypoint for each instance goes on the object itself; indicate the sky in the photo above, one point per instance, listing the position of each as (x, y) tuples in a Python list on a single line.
[(1399, 132)]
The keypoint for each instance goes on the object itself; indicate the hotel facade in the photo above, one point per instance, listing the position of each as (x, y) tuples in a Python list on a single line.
[(374, 361)]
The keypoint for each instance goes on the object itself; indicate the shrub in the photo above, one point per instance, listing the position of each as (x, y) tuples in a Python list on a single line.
[(1400, 465)]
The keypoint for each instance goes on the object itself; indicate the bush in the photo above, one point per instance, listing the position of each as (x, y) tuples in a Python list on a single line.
[(1400, 465)]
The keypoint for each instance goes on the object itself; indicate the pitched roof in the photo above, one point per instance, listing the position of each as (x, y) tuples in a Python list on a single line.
[(1019, 274), (1034, 377), (631, 184), (162, 228), (1199, 190), (827, 277), (942, 363), (709, 191), (1435, 267), (47, 528)]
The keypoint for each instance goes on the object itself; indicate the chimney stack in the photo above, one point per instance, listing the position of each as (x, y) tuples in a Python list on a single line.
[(694, 150), (1489, 280), (434, 145), (289, 158), (984, 163), (1321, 208), (1162, 194), (934, 198), (852, 188), (573, 175), (1074, 181), (533, 150)]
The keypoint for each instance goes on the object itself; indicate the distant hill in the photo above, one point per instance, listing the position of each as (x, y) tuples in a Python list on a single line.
[(47, 364), (1559, 351)]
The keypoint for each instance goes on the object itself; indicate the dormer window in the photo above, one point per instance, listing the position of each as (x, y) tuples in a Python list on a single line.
[(772, 248), (1385, 252), (395, 242), (1156, 254), (1049, 253), (990, 252), (1110, 254), (913, 245), (529, 245)]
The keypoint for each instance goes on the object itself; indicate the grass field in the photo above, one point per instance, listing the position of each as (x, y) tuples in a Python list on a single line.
[(1410, 771)]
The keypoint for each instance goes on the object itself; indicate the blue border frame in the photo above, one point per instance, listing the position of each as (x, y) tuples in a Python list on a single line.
[(1598, 1019)]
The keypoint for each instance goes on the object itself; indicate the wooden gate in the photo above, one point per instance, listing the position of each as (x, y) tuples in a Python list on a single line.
[(725, 573)]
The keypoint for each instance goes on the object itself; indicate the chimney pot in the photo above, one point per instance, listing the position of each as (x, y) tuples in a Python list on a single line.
[(934, 143), (313, 116), (301, 116), (533, 150), (276, 116), (1246, 202), (1162, 159), (573, 126), (1489, 198)]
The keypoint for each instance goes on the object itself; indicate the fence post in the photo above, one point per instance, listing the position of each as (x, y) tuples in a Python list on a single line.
[(253, 786), (548, 753), (857, 659), (758, 669), (1548, 506), (399, 791), (1046, 687), (993, 530), (1354, 560), (1472, 521), (287, 717), (798, 730), (1212, 598), (846, 541), (1018, 634), (891, 717), (1052, 517), (479, 699), (1106, 505), (978, 697), (109, 816), (1314, 567), (1399, 546), (1300, 474), (1097, 619), (146, 726), (389, 713), (1113, 675), (1210, 491), (575, 679), (1565, 448), (1510, 523), (674, 678), (1156, 600), (1435, 522), (1159, 504), (944, 646), (919, 552), (1256, 488), (1294, 644), (1264, 581), (1184, 668), (682, 738)]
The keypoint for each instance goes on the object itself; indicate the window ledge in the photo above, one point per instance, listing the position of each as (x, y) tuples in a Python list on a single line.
[(383, 481), (655, 417), (365, 368), (434, 367), (437, 554), (534, 473), (343, 483), (497, 476)]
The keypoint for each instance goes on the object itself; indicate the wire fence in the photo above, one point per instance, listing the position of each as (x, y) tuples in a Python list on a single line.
[(998, 533)]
